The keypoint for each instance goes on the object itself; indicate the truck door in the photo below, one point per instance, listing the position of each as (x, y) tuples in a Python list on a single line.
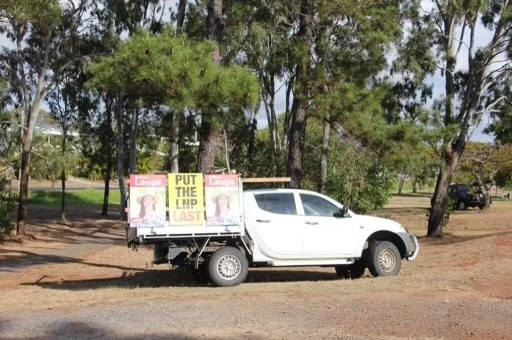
[(326, 232), (279, 230)]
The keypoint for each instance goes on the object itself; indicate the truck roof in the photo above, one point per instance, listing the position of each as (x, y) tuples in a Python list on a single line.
[(279, 190)]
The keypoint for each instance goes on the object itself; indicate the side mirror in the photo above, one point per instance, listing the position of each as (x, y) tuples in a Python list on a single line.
[(342, 213)]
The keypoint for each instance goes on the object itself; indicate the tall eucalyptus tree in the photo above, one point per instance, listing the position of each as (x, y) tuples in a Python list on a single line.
[(470, 68), (39, 31)]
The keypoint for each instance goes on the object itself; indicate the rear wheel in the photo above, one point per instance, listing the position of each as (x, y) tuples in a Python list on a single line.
[(384, 259), (228, 266), (351, 271), (462, 205)]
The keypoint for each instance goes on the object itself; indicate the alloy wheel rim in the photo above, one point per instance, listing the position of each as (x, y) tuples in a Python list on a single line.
[(229, 267), (387, 260)]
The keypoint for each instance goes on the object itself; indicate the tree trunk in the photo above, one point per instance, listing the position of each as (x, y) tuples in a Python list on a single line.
[(175, 129), (108, 159), (214, 23), (439, 201), (226, 150), (63, 178), (21, 225), (287, 118), (63, 197), (296, 142), (209, 137), (26, 142), (175, 138), (106, 191), (180, 17), (133, 140), (323, 155), (301, 97), (120, 158), (253, 124), (209, 132), (436, 220), (401, 182), (31, 110)]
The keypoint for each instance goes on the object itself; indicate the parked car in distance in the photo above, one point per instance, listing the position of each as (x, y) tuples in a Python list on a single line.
[(463, 197)]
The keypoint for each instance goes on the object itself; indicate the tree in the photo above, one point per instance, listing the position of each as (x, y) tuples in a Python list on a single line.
[(176, 72), (49, 162), (470, 71), (503, 159), (9, 127), (501, 127), (8, 136), (118, 19), (321, 47), (39, 31), (64, 102), (210, 130), (466, 90), (483, 165)]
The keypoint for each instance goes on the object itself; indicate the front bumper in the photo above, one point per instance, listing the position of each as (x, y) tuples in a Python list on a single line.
[(416, 250), (412, 246)]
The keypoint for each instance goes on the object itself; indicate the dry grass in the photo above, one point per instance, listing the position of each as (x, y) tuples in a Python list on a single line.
[(472, 261)]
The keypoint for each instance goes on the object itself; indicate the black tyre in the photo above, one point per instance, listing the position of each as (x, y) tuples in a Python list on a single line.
[(384, 259), (351, 271), (462, 205), (228, 266)]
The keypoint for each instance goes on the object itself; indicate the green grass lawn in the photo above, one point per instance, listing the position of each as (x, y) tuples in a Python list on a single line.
[(87, 196), (407, 188)]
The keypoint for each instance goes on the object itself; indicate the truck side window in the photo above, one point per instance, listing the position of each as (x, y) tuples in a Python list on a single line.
[(317, 206), (278, 203)]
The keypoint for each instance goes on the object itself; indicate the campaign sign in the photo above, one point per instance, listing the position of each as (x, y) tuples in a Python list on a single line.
[(222, 200), (147, 201), (186, 199)]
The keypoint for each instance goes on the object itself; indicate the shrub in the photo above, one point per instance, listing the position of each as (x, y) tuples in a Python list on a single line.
[(7, 205)]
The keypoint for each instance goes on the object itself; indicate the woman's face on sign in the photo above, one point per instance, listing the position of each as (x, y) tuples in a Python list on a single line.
[(148, 201), (223, 200)]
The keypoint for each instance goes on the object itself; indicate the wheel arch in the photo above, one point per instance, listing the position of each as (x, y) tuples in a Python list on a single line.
[(383, 235)]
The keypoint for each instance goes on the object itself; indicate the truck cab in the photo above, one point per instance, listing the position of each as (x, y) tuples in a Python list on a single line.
[(290, 227)]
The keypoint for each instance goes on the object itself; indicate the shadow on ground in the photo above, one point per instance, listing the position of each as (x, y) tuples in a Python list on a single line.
[(182, 276), (86, 330), (23, 259), (179, 277), (449, 238)]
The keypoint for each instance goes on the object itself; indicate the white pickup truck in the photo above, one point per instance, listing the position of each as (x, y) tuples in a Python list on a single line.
[(283, 227)]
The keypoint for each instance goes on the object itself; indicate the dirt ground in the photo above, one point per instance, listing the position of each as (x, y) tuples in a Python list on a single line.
[(79, 279)]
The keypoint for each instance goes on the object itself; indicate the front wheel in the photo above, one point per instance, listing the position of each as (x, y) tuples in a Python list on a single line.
[(228, 266), (384, 259)]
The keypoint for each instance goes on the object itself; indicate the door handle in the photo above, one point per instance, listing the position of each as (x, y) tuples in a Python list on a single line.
[(263, 221), (311, 223)]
